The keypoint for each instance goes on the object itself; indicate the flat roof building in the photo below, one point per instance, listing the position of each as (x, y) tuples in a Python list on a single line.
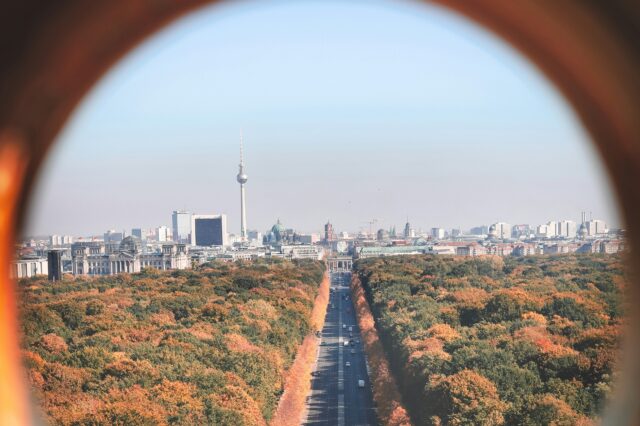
[(209, 230), (54, 261), (181, 223)]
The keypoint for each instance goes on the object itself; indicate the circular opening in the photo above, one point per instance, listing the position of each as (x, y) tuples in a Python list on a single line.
[(608, 154)]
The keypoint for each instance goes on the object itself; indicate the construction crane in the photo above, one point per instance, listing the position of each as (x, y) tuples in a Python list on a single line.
[(371, 223)]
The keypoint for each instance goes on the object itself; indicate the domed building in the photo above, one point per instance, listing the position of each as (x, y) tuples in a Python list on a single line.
[(98, 258), (279, 234), (131, 245), (277, 231), (583, 232)]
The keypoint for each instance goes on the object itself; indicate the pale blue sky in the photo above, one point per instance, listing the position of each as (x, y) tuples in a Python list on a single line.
[(350, 110)]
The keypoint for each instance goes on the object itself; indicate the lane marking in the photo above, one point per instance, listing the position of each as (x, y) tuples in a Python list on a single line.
[(340, 363)]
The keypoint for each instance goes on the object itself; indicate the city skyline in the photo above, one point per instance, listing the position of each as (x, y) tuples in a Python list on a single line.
[(499, 145), (586, 217)]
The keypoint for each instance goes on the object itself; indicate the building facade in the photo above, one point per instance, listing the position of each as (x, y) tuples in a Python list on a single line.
[(209, 230), (329, 235), (54, 264), (29, 267), (181, 224), (596, 227), (567, 229), (500, 230), (95, 258), (438, 233)]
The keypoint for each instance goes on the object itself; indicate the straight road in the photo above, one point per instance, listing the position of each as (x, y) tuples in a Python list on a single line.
[(336, 397)]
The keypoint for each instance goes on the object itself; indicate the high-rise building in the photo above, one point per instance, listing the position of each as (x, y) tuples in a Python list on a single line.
[(382, 235), (111, 236), (163, 234), (596, 227), (479, 230), (567, 229), (209, 230), (329, 235), (255, 236), (408, 230), (500, 230), (138, 233), (546, 231), (520, 231), (438, 233), (181, 221), (242, 179), (54, 264)]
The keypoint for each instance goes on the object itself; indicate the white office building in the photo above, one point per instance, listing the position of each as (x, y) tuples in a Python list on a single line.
[(181, 224), (500, 230), (596, 227), (567, 229), (163, 234), (438, 233)]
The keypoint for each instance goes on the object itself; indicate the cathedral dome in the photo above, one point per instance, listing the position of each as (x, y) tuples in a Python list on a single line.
[(278, 230), (583, 231)]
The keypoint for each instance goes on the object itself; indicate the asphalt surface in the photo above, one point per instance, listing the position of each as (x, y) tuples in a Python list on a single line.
[(336, 398)]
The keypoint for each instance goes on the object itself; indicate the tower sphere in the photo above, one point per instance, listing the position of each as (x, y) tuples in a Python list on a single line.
[(242, 177)]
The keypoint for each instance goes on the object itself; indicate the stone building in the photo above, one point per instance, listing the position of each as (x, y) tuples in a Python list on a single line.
[(96, 258)]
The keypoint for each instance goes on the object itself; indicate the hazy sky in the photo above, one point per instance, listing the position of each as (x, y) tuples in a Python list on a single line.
[(350, 111)]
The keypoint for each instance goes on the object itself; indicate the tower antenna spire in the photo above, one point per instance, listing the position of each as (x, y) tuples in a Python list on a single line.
[(242, 179), (241, 150)]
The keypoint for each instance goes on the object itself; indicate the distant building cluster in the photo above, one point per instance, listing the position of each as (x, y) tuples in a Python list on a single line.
[(195, 238), (499, 238), (191, 239)]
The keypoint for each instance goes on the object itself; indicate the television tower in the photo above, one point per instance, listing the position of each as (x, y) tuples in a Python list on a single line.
[(242, 179)]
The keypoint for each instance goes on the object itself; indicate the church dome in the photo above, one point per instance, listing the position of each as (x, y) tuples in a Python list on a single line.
[(278, 227), (583, 231), (277, 231)]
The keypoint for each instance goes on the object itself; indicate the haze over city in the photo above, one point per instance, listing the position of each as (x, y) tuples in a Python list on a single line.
[(349, 112)]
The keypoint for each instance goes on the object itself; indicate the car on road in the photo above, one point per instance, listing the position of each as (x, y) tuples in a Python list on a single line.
[(344, 325), (353, 351), (361, 383), (347, 364)]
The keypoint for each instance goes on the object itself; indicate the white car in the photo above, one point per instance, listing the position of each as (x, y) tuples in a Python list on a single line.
[(347, 364), (360, 383)]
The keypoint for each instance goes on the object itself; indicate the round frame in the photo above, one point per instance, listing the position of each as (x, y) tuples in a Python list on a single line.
[(53, 52)]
